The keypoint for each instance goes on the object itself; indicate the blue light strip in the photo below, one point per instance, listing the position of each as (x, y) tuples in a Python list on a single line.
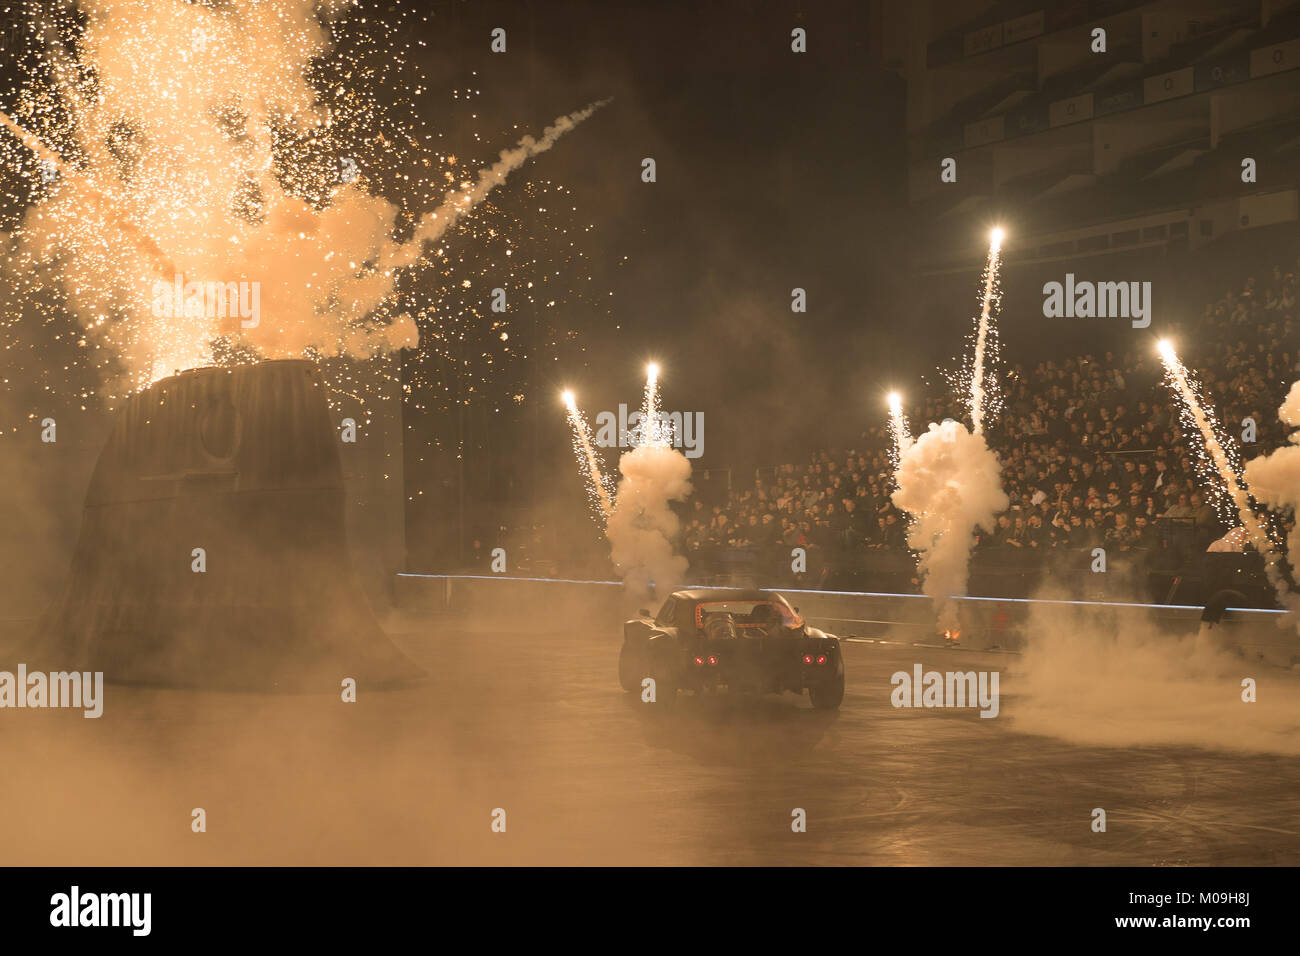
[(502, 577), (880, 594)]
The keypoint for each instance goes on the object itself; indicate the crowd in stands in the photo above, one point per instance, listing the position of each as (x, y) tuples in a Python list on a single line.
[(1091, 446)]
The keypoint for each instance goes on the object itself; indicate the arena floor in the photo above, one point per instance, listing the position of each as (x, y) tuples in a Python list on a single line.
[(533, 722)]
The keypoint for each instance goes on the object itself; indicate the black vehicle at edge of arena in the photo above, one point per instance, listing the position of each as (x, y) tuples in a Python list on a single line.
[(742, 640)]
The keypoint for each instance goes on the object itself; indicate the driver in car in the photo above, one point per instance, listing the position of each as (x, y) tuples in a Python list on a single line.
[(766, 617)]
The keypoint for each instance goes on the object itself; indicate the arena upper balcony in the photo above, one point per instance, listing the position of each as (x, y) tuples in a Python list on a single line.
[(1050, 85)]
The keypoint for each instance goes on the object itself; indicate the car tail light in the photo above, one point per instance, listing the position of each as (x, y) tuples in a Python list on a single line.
[(821, 658), (713, 661), (699, 661), (807, 658)]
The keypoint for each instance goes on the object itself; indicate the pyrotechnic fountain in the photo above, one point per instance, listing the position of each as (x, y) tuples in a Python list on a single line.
[(639, 521), (642, 527), (948, 480), (950, 484), (650, 424), (1219, 464), (984, 330), (899, 430), (598, 485)]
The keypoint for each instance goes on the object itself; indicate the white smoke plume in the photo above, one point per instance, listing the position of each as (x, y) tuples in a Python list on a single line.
[(950, 482), (642, 527), (1274, 480)]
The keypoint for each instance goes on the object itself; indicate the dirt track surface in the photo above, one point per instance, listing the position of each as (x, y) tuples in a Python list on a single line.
[(534, 723)]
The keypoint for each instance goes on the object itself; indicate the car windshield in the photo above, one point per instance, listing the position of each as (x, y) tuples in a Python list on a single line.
[(666, 613), (749, 613)]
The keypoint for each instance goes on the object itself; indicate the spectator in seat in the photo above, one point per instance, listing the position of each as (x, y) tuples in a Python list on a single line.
[(1182, 509)]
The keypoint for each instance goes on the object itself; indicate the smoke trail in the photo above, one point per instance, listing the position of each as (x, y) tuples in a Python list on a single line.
[(598, 489), (1177, 378), (978, 397), (1274, 479), (457, 204), (949, 481)]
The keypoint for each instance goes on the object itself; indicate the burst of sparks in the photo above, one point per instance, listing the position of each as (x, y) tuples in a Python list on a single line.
[(132, 153)]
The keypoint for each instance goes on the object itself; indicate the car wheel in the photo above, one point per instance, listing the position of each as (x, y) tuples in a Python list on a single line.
[(828, 696), (631, 667)]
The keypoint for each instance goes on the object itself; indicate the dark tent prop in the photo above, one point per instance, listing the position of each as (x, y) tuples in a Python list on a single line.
[(243, 464)]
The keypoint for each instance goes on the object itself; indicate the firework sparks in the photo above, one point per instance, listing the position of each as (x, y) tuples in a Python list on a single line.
[(899, 429), (53, 166), (982, 402), (1219, 469), (34, 144), (652, 428), (599, 487)]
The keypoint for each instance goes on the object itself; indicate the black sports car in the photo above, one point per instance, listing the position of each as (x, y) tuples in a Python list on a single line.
[(751, 641)]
